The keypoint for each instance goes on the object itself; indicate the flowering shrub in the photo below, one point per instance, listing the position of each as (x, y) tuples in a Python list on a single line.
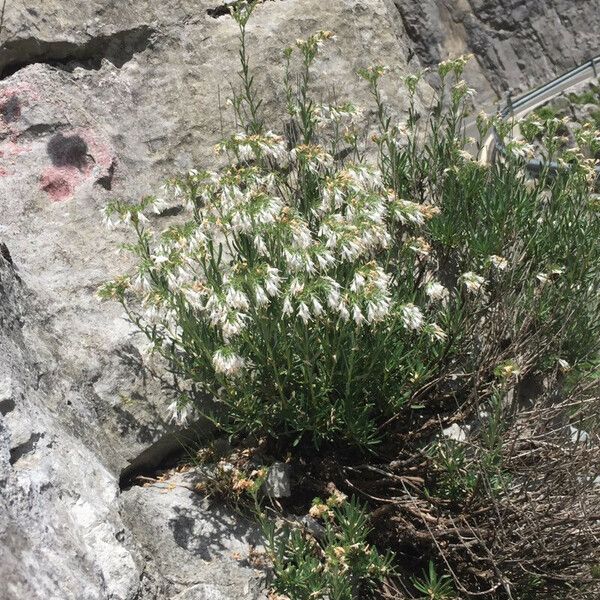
[(313, 292)]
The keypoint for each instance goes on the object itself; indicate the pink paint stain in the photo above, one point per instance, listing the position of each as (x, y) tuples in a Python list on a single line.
[(12, 148), (25, 90), (95, 162), (60, 183)]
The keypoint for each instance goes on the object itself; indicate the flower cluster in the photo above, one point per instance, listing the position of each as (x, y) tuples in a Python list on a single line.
[(252, 147), (265, 258)]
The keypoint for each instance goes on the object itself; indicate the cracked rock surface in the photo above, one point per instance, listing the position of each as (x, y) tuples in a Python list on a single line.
[(102, 99), (517, 44)]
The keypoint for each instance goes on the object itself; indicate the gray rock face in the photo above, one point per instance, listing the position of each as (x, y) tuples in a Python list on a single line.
[(518, 44), (58, 524), (182, 538), (102, 99), (66, 530)]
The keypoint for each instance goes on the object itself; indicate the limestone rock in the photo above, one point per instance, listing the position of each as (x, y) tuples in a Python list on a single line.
[(200, 552), (456, 432), (58, 524)]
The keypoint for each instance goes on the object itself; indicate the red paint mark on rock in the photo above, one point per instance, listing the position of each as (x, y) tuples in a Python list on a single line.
[(23, 89), (60, 182), (3, 172)]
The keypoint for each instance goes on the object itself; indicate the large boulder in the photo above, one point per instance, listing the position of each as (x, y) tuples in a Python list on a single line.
[(188, 536), (67, 530), (59, 520), (107, 101)]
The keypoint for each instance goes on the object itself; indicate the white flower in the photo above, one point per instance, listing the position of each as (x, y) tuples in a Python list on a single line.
[(241, 222), (179, 412), (412, 317), (174, 281), (106, 218), (225, 467), (237, 299), (550, 276), (380, 279), (358, 282), (309, 266), (436, 332), (520, 149), (333, 295), (317, 306), (141, 283), (245, 152), (436, 291), (260, 245), (226, 362), (472, 281), (293, 259), (325, 259), (301, 236), (377, 311), (272, 282), (194, 297), (296, 287), (261, 297), (288, 309), (159, 205), (563, 365), (304, 312), (350, 250), (499, 262), (408, 212), (343, 310), (159, 259), (357, 315), (234, 325)]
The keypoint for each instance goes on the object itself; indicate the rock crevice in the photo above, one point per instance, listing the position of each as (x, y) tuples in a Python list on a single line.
[(118, 48)]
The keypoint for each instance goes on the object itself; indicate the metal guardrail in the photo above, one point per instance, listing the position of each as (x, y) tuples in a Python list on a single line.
[(522, 101), (555, 83)]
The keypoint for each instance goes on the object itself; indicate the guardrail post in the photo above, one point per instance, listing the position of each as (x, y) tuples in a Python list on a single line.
[(593, 61), (509, 102)]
